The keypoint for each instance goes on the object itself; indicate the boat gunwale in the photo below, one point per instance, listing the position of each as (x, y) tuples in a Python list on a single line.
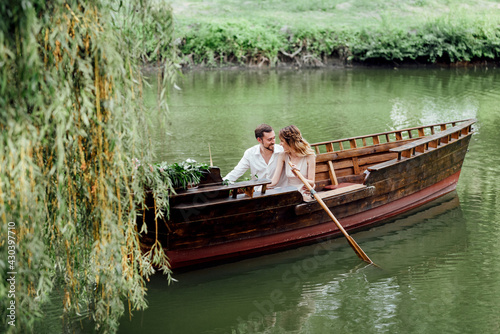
[(402, 159), (453, 123)]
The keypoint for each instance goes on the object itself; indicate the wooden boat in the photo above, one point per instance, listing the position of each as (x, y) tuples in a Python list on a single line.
[(363, 181)]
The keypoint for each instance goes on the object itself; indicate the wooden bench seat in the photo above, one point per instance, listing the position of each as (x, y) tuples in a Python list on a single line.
[(336, 197), (341, 188), (219, 188), (214, 202)]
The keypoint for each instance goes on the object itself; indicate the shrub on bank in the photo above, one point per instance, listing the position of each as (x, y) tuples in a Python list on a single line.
[(443, 40), (446, 39), (230, 42)]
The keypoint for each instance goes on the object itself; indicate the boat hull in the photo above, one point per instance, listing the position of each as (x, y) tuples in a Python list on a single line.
[(271, 243)]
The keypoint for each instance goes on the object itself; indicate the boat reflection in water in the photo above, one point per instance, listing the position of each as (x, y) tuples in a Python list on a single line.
[(292, 290)]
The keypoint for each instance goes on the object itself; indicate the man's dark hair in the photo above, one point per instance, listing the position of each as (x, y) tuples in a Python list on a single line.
[(259, 131)]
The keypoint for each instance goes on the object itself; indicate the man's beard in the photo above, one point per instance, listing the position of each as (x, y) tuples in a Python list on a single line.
[(270, 147)]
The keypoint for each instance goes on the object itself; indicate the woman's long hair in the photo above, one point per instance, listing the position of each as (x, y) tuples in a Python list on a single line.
[(291, 134)]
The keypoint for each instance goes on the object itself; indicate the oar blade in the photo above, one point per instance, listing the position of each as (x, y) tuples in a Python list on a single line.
[(361, 254), (351, 241)]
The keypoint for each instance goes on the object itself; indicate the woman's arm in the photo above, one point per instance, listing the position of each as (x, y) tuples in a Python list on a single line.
[(279, 168)]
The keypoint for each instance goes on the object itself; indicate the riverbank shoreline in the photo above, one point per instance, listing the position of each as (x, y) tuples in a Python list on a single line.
[(328, 33), (333, 64)]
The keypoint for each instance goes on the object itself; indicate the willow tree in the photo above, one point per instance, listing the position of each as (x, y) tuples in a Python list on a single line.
[(72, 128)]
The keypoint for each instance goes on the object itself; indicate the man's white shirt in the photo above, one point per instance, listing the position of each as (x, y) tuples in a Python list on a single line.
[(253, 159)]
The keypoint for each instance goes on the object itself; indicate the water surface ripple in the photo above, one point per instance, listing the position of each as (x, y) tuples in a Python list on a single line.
[(440, 270)]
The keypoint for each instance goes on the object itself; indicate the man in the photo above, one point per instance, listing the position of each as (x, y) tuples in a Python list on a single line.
[(261, 158)]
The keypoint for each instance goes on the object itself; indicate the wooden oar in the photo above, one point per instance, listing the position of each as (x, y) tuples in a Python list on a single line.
[(362, 255)]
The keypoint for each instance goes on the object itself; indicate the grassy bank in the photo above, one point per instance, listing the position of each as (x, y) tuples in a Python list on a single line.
[(322, 32)]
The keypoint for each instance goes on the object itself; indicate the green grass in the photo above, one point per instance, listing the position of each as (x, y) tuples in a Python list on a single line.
[(328, 13), (218, 32)]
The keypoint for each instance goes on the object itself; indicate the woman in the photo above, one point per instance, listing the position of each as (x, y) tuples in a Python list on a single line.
[(299, 152)]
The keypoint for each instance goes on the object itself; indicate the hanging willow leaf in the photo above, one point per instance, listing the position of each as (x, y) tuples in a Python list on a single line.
[(72, 122)]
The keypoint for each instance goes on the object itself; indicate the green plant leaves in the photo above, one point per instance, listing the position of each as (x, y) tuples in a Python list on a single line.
[(454, 37), (70, 123)]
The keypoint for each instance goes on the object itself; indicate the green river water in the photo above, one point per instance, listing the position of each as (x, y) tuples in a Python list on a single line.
[(440, 264)]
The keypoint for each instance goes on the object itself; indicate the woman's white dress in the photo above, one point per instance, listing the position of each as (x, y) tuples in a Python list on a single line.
[(295, 181)]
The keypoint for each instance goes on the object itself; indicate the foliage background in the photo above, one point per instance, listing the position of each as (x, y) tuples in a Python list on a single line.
[(74, 152), (218, 33)]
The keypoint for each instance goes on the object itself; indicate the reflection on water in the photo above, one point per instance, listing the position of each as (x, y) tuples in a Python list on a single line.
[(440, 270), (318, 288)]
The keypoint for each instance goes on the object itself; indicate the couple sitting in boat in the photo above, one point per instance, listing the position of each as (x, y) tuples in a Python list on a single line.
[(270, 161)]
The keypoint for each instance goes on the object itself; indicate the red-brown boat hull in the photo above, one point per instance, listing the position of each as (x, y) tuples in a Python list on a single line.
[(272, 243)]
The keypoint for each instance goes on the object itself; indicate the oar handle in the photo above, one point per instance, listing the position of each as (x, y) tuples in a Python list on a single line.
[(297, 173), (362, 255), (317, 197)]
